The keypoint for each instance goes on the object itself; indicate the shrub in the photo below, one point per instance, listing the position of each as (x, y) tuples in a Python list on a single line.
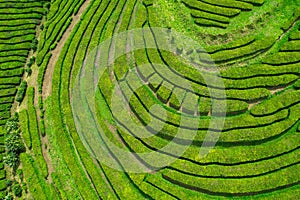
[(34, 44), (40, 102), (17, 190), (21, 92), (13, 143), (12, 124), (31, 61), (28, 71), (9, 182), (11, 160)]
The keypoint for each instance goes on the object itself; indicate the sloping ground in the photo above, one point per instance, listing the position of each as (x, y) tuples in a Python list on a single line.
[(18, 22), (257, 154)]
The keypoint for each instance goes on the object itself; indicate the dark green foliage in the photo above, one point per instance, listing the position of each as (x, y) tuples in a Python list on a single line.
[(40, 102), (34, 44), (12, 124), (11, 160), (9, 183), (17, 190), (31, 61), (47, 5), (13, 144), (42, 70), (21, 92), (28, 71)]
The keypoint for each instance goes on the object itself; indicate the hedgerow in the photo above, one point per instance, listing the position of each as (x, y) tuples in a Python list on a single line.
[(38, 187), (297, 85), (278, 102), (21, 92), (282, 58), (291, 20), (55, 28), (238, 187), (7, 92), (190, 103), (42, 70), (237, 43), (228, 55), (233, 107), (225, 137), (243, 170), (85, 186), (209, 23), (155, 81), (211, 8), (111, 173), (231, 4), (177, 97), (164, 91), (214, 17), (24, 123), (259, 70), (291, 46), (201, 89), (295, 35), (34, 133), (216, 157)]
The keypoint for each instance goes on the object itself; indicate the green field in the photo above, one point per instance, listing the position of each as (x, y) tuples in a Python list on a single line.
[(216, 76)]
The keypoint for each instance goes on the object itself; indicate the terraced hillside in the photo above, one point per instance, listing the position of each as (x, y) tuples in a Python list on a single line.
[(236, 97), (18, 27)]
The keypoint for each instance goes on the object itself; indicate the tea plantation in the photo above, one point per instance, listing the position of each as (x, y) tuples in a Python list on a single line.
[(237, 96)]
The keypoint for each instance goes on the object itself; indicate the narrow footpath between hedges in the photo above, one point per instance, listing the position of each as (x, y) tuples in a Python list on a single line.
[(47, 82)]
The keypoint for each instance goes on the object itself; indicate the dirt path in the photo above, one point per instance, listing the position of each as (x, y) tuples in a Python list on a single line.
[(47, 83)]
